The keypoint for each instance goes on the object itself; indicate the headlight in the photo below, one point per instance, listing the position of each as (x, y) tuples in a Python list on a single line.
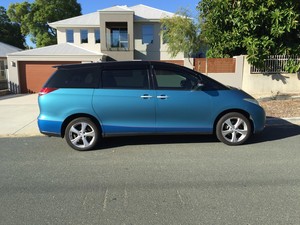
[(252, 100)]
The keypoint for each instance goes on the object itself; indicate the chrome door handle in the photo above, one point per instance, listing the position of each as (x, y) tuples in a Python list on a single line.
[(146, 96), (162, 97)]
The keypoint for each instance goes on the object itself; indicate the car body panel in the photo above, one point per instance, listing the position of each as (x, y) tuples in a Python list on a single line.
[(234, 100), (125, 111), (60, 104), (183, 111)]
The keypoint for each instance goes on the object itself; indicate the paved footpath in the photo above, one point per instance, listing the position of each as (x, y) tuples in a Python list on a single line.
[(18, 116)]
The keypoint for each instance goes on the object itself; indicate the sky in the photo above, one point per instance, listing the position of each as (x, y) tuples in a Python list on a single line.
[(89, 6)]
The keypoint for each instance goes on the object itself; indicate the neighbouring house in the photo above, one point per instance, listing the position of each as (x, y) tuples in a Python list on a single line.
[(116, 33), (5, 49)]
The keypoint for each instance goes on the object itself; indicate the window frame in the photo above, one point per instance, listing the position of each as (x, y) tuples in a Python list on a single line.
[(96, 31), (2, 69), (146, 34), (164, 39), (70, 35), (85, 33), (120, 36)]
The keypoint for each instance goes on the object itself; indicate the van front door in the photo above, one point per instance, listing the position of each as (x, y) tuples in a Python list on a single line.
[(180, 107)]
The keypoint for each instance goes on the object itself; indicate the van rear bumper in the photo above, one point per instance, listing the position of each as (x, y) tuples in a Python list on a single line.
[(50, 128)]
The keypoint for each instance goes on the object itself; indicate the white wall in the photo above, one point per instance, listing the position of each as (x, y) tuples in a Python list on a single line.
[(154, 51), (265, 85), (91, 45)]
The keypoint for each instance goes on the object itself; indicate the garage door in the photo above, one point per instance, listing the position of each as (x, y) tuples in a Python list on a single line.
[(33, 75)]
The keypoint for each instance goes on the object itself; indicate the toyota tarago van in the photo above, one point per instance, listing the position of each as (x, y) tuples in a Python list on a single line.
[(86, 102)]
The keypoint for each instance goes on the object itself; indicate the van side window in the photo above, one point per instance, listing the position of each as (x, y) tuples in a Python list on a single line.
[(74, 78), (174, 80), (125, 79)]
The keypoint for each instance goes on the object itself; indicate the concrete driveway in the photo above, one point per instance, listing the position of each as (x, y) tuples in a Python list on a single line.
[(19, 115)]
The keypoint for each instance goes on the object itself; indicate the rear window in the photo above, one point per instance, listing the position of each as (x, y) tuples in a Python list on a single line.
[(74, 78)]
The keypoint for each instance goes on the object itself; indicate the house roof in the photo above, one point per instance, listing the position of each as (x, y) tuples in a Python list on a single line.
[(117, 8), (64, 49), (6, 49), (88, 20), (141, 13)]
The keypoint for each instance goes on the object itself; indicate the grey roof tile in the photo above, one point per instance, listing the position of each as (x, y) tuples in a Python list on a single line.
[(6, 49), (59, 49), (88, 20)]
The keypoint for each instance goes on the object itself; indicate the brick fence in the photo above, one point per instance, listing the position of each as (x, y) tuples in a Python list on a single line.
[(215, 65)]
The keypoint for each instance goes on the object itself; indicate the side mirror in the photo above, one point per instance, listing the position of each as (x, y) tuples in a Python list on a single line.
[(198, 86)]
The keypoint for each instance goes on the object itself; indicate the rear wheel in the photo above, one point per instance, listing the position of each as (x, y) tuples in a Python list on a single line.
[(233, 129), (82, 134)]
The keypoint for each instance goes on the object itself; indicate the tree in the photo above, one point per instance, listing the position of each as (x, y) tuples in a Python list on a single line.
[(10, 33), (181, 33), (34, 18), (257, 28)]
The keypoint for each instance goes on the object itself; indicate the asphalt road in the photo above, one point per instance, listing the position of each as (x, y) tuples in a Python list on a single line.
[(152, 180)]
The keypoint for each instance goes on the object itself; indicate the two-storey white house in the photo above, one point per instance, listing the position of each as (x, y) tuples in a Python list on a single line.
[(116, 33)]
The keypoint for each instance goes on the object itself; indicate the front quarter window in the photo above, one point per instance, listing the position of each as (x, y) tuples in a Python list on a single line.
[(174, 80), (211, 84)]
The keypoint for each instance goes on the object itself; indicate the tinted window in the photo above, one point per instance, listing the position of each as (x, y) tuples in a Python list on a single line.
[(211, 85), (125, 79), (74, 78), (169, 79)]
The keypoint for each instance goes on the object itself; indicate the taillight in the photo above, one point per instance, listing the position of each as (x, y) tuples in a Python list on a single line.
[(46, 90)]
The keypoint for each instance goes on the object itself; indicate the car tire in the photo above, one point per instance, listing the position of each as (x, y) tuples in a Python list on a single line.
[(82, 134), (233, 129)]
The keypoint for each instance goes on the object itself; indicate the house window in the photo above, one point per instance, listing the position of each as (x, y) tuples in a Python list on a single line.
[(97, 36), (84, 36), (119, 38), (164, 38), (70, 36), (2, 70), (147, 31)]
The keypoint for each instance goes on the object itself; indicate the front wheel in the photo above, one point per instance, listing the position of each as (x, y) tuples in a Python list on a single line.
[(82, 134), (233, 129)]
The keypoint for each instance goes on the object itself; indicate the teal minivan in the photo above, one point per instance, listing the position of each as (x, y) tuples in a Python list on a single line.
[(85, 102)]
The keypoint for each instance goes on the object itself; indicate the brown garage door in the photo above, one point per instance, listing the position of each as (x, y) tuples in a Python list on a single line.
[(34, 74)]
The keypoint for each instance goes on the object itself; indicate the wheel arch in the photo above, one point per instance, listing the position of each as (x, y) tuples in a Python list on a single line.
[(243, 112), (74, 116)]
